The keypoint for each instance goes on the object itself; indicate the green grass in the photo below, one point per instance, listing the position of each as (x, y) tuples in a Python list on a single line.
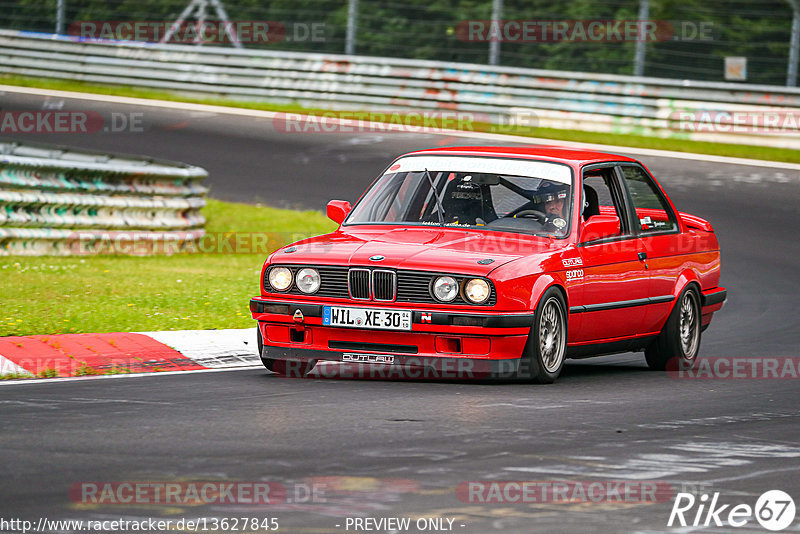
[(16, 376), (52, 295), (622, 140)]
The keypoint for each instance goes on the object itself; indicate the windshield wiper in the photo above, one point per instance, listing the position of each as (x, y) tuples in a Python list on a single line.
[(439, 208)]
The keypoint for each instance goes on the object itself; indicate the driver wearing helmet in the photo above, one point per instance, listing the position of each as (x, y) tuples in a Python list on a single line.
[(554, 197)]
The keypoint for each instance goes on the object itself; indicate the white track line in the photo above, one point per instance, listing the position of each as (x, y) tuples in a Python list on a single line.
[(32, 381), (9, 367), (215, 349), (186, 106)]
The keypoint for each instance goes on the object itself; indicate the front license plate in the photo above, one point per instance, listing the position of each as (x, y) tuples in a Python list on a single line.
[(366, 318)]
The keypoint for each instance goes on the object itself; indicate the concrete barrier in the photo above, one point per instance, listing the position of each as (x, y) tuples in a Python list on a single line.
[(667, 108), (61, 201)]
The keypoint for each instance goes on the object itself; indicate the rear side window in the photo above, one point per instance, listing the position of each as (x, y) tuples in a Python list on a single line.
[(652, 209)]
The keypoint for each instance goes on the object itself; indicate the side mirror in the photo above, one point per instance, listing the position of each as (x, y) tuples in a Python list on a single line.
[(600, 226), (338, 210)]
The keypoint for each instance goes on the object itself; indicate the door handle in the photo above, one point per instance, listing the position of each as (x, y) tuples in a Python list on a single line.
[(642, 256)]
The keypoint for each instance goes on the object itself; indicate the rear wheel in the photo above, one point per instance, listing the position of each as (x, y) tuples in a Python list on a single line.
[(543, 357), (294, 368), (679, 342)]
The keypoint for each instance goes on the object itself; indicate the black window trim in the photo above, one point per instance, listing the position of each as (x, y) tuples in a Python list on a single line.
[(659, 193), (619, 194)]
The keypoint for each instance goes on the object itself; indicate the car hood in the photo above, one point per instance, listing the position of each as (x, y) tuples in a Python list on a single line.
[(427, 249)]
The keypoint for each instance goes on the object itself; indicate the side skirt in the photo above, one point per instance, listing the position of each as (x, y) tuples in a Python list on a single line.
[(614, 347)]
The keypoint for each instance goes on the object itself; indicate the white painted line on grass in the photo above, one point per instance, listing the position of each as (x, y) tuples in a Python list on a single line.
[(187, 106)]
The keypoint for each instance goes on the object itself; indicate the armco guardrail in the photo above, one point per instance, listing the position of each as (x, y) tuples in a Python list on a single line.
[(61, 201), (718, 112)]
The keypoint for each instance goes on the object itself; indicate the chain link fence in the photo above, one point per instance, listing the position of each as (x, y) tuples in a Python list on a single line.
[(690, 39)]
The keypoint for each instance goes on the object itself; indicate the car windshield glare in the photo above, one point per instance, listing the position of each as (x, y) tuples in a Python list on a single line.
[(456, 196)]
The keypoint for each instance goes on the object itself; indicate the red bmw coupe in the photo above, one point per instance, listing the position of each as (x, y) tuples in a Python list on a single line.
[(499, 262)]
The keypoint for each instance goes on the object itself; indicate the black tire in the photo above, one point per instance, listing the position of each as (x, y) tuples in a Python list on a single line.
[(290, 368), (678, 344), (545, 350), (294, 368)]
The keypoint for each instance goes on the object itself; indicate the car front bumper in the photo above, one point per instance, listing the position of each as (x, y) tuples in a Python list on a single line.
[(376, 366), (294, 330)]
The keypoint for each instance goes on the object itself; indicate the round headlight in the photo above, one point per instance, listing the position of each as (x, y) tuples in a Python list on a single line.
[(307, 280), (280, 278), (445, 288), (477, 290)]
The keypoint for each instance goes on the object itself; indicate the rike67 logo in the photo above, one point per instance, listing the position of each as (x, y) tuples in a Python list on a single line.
[(774, 510)]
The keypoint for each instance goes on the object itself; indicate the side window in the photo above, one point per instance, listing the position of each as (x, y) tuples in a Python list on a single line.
[(600, 198), (651, 209), (604, 200)]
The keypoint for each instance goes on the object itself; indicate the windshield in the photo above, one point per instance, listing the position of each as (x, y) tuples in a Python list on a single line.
[(463, 192)]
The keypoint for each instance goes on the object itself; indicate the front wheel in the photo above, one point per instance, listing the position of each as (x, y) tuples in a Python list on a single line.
[(543, 357), (290, 368), (679, 342)]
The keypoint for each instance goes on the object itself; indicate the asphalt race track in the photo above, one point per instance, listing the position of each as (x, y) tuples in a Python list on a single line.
[(383, 448)]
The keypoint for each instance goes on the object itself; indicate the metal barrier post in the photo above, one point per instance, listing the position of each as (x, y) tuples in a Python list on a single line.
[(494, 44), (352, 26), (794, 45), (641, 42), (60, 9)]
